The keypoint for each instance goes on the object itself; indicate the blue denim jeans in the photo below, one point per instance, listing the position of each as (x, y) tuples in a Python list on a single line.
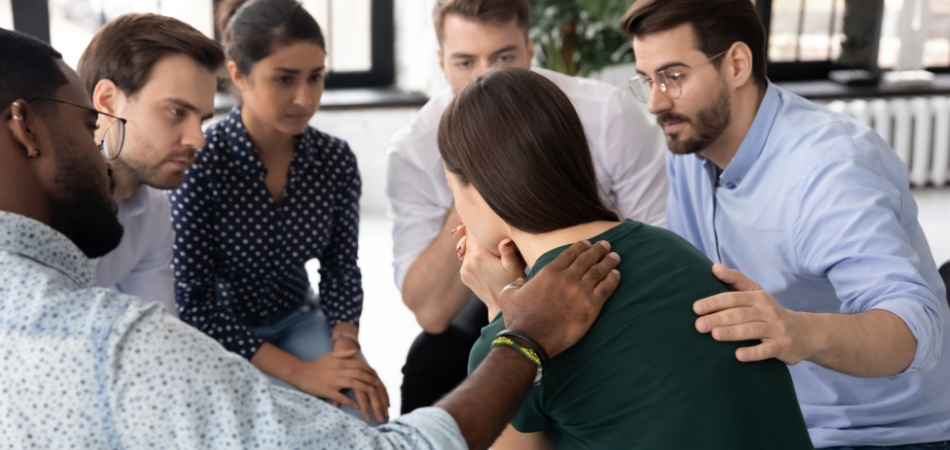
[(306, 335), (931, 446)]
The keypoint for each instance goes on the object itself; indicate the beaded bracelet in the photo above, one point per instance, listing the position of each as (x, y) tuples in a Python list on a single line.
[(528, 353)]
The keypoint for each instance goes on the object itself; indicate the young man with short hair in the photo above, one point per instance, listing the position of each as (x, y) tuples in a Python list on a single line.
[(475, 35), (814, 206), (158, 73)]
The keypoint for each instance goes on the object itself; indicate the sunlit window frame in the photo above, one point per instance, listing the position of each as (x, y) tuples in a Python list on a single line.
[(814, 70), (32, 17)]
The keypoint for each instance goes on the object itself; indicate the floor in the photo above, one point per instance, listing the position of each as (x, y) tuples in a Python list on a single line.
[(388, 328)]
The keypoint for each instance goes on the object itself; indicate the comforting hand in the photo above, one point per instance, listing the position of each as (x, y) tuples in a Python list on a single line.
[(561, 302), (377, 401), (326, 376), (483, 272), (750, 314)]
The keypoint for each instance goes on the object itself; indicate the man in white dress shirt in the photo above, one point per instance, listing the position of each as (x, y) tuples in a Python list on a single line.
[(628, 155), (158, 73)]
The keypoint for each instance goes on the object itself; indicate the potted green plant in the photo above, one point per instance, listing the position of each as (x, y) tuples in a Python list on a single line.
[(578, 37)]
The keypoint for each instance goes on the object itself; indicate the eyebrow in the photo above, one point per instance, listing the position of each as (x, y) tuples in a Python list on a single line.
[(664, 67), (296, 71), (495, 53), (184, 104)]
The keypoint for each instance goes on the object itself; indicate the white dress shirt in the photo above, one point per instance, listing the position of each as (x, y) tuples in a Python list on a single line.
[(141, 264), (629, 157)]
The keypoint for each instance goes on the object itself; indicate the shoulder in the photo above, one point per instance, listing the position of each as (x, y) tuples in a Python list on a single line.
[(417, 142), (330, 147)]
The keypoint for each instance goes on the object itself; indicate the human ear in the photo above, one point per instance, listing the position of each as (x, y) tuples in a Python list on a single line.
[(22, 125), (737, 64), (236, 76), (442, 61), (106, 97), (530, 49)]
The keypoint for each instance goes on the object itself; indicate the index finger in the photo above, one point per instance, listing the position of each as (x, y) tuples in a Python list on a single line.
[(567, 257), (720, 302)]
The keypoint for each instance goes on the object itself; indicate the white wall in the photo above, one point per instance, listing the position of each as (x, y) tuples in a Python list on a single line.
[(417, 63)]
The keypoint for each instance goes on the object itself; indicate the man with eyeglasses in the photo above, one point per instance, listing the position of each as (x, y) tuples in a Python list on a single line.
[(158, 73), (816, 208)]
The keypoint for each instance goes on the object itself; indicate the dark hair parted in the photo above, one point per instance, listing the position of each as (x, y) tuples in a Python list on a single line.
[(717, 24), (481, 11), (126, 49), (516, 137), (253, 30), (29, 68)]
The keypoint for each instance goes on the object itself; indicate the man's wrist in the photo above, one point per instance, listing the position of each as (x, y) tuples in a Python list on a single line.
[(813, 328), (522, 369)]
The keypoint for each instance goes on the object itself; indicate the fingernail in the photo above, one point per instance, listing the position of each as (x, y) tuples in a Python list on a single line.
[(454, 230), (615, 272), (700, 308), (702, 324), (605, 244), (614, 255), (509, 243), (586, 242), (458, 247)]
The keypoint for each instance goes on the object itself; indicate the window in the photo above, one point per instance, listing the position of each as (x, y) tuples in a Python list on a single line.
[(359, 37), (359, 33), (6, 14), (809, 38)]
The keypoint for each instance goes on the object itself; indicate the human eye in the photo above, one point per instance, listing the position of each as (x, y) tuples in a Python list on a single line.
[(675, 76), (316, 78), (506, 59), (463, 64), (283, 80)]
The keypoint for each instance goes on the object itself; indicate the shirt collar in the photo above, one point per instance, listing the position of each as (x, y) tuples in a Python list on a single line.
[(242, 150), (136, 204), (34, 240), (754, 141)]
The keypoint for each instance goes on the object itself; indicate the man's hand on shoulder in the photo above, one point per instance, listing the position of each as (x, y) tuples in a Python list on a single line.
[(561, 302), (750, 313)]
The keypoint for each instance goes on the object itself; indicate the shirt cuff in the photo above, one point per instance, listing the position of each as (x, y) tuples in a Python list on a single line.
[(928, 345), (436, 427)]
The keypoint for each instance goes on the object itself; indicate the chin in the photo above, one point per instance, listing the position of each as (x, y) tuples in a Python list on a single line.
[(166, 182)]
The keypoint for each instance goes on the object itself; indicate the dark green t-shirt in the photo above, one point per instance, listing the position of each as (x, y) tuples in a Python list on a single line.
[(644, 378)]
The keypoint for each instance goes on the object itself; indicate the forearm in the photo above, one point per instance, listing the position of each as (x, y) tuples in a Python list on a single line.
[(275, 362), (433, 289), (869, 344), (489, 398)]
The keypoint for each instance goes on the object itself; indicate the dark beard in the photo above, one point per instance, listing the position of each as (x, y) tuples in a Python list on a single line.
[(709, 125), (80, 211)]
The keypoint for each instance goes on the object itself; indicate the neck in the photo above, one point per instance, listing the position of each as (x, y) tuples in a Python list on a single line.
[(264, 137), (532, 246), (744, 107), (21, 193), (127, 183)]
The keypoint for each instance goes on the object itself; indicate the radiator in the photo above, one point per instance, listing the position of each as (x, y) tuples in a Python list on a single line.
[(918, 129)]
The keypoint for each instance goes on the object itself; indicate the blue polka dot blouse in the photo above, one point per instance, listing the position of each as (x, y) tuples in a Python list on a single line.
[(239, 255)]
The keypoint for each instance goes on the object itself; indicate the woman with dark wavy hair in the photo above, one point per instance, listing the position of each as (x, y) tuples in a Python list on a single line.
[(517, 160)]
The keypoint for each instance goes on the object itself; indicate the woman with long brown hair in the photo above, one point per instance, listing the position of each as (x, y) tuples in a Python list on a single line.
[(517, 159)]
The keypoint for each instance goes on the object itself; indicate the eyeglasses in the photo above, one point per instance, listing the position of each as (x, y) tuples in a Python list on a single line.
[(112, 139), (669, 82)]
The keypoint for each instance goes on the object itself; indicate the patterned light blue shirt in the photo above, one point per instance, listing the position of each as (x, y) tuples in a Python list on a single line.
[(816, 208), (84, 367)]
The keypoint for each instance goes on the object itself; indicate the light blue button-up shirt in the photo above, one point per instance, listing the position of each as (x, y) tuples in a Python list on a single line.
[(816, 208), (86, 367)]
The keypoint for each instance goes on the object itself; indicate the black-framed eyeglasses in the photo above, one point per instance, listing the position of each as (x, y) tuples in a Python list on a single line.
[(114, 136), (669, 82)]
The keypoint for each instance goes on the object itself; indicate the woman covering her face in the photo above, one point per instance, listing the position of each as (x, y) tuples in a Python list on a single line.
[(517, 160), (267, 194)]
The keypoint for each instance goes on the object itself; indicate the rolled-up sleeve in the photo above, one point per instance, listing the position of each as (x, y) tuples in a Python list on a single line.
[(849, 229), (170, 386), (415, 209)]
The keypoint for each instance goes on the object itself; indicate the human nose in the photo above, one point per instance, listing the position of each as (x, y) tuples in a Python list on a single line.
[(659, 100), (194, 138), (303, 97)]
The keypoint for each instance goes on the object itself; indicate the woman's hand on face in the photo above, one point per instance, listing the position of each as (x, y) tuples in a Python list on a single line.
[(342, 369), (483, 272)]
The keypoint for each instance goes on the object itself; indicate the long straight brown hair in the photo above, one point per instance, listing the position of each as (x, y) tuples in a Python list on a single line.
[(516, 137)]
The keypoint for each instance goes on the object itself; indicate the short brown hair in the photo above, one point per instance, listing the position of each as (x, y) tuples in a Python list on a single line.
[(126, 49), (481, 11), (717, 24), (516, 137)]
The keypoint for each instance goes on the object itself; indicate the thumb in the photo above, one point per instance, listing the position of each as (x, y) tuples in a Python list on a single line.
[(344, 354), (735, 278), (509, 255)]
